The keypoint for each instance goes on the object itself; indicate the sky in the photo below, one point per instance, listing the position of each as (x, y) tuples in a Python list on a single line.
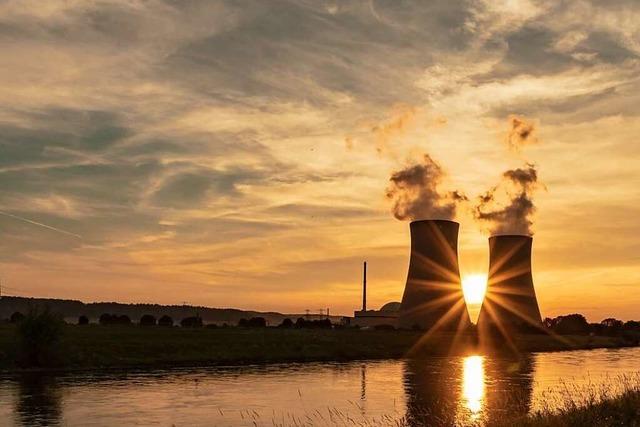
[(238, 154)]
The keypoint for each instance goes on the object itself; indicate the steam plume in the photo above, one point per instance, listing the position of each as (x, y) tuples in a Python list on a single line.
[(399, 120), (514, 216), (415, 195), (521, 132)]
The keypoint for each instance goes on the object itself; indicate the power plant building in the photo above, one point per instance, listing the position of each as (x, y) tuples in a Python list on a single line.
[(387, 315), (510, 302), (433, 298)]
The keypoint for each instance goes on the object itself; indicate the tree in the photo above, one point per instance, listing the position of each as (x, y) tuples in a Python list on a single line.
[(243, 323), (286, 323), (83, 320), (16, 317), (105, 319), (612, 323), (632, 325), (147, 320), (257, 322), (123, 319), (571, 324), (613, 326), (191, 322), (165, 321), (39, 335), (549, 323)]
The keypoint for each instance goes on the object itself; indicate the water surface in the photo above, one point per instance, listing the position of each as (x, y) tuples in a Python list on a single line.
[(463, 390)]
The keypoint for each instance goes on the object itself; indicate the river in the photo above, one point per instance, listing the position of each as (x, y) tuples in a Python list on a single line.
[(462, 390)]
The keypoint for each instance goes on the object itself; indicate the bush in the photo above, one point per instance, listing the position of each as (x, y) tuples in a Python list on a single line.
[(191, 322), (83, 320), (148, 320), (39, 336), (16, 317), (165, 321), (243, 323)]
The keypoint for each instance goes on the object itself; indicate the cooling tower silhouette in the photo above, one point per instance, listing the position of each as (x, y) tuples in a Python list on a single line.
[(433, 296), (510, 302)]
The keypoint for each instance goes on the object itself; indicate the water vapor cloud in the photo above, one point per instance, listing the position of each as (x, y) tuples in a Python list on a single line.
[(521, 132), (508, 207), (415, 194)]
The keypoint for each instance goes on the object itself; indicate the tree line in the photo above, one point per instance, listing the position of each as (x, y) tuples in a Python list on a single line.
[(577, 324), (107, 319)]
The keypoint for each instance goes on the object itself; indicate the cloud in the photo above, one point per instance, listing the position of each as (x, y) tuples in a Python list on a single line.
[(162, 131)]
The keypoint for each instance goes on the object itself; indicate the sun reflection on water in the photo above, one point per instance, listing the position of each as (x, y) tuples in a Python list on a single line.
[(473, 384)]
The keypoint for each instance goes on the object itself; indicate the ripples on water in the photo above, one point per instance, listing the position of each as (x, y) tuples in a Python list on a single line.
[(462, 390)]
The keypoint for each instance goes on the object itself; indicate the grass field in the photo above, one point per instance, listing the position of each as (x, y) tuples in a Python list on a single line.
[(95, 346)]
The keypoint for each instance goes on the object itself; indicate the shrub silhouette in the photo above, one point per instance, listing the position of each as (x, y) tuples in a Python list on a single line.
[(147, 320), (191, 322), (39, 336), (243, 323), (83, 320), (16, 317), (165, 321)]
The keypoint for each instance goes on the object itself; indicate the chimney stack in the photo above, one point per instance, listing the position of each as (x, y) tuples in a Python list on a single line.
[(433, 294), (364, 288)]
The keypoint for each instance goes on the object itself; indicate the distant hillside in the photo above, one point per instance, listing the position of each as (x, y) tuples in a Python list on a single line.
[(71, 309)]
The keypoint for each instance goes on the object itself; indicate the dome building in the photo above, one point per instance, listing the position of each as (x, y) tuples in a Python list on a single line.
[(387, 315)]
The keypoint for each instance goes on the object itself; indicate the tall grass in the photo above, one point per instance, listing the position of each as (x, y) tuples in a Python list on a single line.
[(571, 405)]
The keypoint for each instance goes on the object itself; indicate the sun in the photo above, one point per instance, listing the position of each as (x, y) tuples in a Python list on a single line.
[(474, 287)]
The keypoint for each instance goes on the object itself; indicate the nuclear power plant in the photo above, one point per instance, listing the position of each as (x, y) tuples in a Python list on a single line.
[(510, 302), (433, 298)]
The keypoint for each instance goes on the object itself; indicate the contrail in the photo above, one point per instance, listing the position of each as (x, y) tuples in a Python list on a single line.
[(19, 218)]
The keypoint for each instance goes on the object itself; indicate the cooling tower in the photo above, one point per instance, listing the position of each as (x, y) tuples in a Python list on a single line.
[(510, 302), (433, 296)]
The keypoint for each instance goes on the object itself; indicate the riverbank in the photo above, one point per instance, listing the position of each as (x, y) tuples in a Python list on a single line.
[(95, 346)]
